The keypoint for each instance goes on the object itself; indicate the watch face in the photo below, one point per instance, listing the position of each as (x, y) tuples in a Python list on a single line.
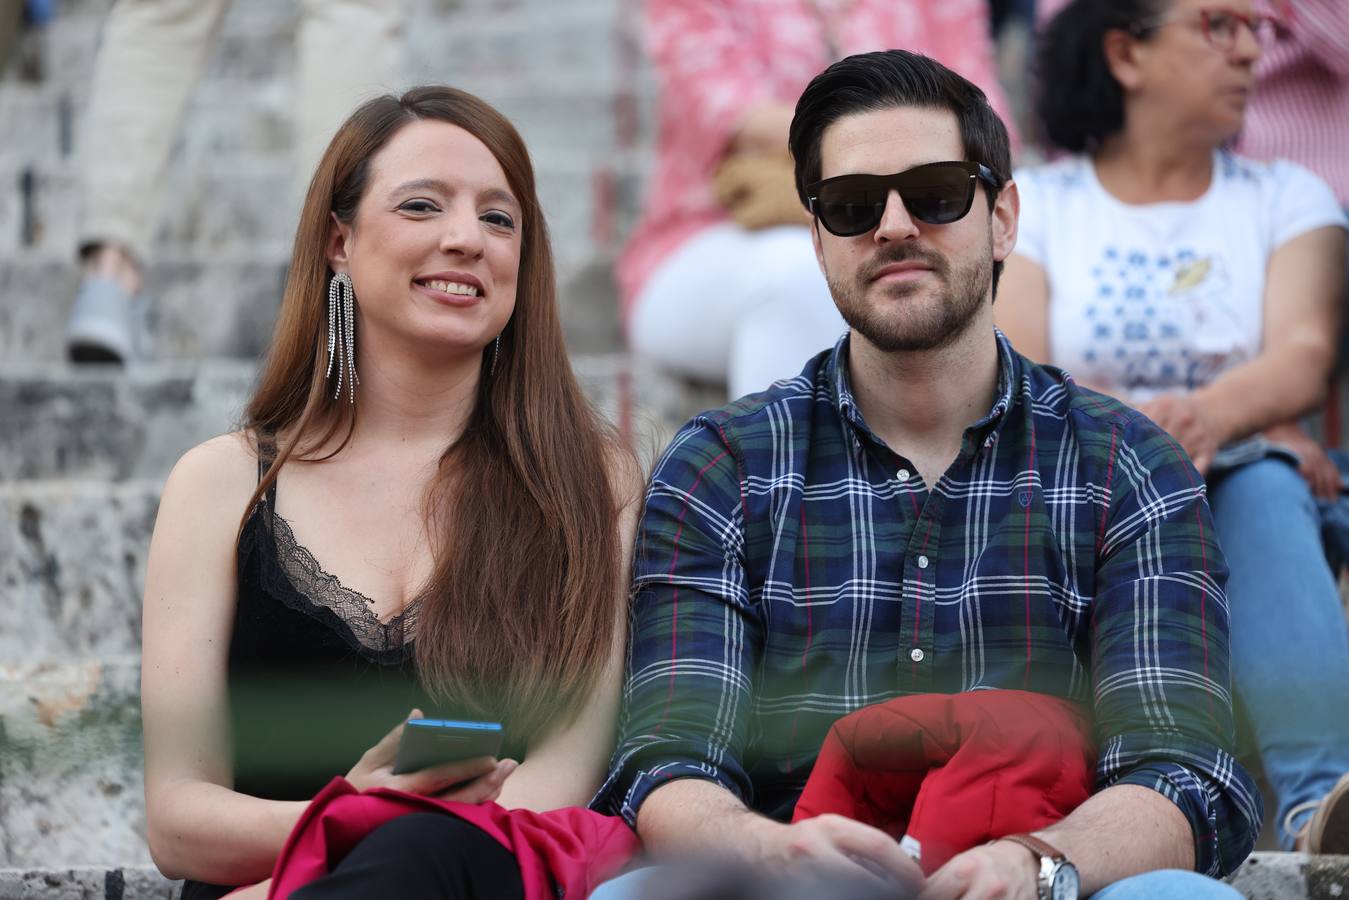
[(1065, 885)]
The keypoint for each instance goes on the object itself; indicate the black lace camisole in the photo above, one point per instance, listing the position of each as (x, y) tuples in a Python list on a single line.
[(315, 679)]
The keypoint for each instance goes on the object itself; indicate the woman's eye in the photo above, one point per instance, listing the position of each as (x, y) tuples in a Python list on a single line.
[(418, 206), (499, 219)]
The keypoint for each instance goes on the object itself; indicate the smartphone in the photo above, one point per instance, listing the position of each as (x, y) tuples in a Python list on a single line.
[(430, 742)]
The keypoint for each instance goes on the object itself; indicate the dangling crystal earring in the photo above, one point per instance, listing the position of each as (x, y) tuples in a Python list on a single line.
[(342, 334), (496, 351)]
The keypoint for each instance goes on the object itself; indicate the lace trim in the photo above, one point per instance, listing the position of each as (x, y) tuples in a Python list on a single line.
[(324, 590)]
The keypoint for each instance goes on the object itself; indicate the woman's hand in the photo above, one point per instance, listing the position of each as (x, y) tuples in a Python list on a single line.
[(1316, 467), (1184, 418), (477, 780)]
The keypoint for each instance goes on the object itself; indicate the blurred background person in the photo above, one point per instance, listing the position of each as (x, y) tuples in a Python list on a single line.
[(719, 281), (152, 55), (1203, 288), (1300, 107)]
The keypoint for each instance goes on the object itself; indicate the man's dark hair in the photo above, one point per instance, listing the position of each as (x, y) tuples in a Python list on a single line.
[(869, 82), (1077, 100)]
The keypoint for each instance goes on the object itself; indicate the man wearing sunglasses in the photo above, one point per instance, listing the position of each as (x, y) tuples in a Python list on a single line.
[(922, 510)]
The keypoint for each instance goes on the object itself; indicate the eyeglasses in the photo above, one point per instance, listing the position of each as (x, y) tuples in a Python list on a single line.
[(937, 193), (1221, 26)]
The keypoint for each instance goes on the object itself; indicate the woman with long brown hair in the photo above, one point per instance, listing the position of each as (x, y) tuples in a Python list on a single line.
[(418, 462)]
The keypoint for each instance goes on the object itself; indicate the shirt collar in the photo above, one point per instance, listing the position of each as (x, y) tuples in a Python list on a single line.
[(836, 373)]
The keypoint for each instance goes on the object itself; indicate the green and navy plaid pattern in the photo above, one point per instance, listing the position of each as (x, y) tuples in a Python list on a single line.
[(790, 568)]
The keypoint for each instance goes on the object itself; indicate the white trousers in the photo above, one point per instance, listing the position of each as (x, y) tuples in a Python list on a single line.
[(746, 307), (152, 56)]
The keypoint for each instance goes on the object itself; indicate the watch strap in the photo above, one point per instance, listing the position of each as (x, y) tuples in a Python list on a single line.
[(1037, 846)]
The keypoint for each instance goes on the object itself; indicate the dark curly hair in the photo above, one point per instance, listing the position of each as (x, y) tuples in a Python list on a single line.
[(1077, 100)]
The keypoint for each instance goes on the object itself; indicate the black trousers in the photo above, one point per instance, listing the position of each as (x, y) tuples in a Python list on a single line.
[(423, 855)]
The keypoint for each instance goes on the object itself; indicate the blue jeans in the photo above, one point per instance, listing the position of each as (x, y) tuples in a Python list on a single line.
[(1165, 884), (1290, 647)]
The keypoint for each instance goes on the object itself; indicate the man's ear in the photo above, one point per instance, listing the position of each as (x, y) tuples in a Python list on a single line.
[(339, 236), (1006, 210)]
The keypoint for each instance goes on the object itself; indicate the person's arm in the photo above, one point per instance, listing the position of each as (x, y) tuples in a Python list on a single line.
[(678, 774), (567, 766), (197, 826), (1119, 832), (1170, 794), (1304, 287)]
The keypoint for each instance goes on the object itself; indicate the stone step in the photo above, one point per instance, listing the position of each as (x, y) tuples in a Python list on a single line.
[(59, 421), (71, 765), (482, 42), (238, 207), (87, 883), (226, 307), (72, 567)]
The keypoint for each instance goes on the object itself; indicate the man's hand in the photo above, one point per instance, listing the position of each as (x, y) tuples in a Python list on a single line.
[(1001, 869), (833, 843), (1185, 419)]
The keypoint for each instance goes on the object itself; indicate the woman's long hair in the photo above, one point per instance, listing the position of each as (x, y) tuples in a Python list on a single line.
[(517, 618)]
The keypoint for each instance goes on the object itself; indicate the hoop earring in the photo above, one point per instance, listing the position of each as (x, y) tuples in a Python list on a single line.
[(342, 334), (496, 352)]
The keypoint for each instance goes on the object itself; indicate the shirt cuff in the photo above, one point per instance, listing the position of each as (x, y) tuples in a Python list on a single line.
[(1217, 851), (644, 781)]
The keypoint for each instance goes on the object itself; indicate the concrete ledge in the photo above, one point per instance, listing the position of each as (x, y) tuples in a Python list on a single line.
[(106, 422), (1293, 876), (91, 882)]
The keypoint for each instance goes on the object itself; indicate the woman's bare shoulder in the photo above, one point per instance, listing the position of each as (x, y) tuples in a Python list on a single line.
[(218, 474)]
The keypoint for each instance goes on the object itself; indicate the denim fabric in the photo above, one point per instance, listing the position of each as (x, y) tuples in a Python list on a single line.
[(1290, 646), (1164, 884)]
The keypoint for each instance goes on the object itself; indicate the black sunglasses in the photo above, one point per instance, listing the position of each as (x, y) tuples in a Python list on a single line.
[(937, 193)]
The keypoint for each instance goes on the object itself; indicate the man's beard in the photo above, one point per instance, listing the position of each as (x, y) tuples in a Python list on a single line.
[(893, 323)]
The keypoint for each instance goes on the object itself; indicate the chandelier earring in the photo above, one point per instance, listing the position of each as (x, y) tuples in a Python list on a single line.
[(342, 335)]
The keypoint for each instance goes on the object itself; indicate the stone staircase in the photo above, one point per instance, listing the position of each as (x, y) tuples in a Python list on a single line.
[(84, 451)]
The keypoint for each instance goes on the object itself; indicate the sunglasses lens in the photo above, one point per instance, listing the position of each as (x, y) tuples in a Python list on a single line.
[(851, 206), (937, 194)]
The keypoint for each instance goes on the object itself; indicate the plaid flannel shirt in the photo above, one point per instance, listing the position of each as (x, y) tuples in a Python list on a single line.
[(791, 568)]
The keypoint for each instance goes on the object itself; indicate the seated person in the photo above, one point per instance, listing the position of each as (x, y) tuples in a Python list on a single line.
[(1204, 288), (718, 282), (923, 510), (421, 510)]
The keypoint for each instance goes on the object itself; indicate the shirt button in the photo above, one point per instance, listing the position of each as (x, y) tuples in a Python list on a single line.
[(916, 654), (903, 475), (922, 562)]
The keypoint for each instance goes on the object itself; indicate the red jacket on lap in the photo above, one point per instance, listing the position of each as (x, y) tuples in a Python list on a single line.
[(952, 771)]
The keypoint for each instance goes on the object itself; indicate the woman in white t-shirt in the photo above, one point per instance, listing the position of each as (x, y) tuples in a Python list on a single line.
[(1203, 288)]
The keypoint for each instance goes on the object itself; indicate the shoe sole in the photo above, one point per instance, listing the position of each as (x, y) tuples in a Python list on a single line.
[(92, 353)]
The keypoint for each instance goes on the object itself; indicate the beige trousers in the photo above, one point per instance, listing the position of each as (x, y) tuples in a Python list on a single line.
[(152, 56)]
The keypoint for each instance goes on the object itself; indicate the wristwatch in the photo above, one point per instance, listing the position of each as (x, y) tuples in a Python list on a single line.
[(1058, 878)]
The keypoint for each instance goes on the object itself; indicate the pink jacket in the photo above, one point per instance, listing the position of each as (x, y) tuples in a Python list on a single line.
[(571, 849)]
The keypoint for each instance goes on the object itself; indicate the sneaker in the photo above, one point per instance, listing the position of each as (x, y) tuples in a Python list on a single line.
[(103, 324), (1327, 831)]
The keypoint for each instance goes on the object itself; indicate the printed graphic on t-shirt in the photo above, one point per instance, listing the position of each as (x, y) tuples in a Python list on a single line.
[(1157, 321)]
